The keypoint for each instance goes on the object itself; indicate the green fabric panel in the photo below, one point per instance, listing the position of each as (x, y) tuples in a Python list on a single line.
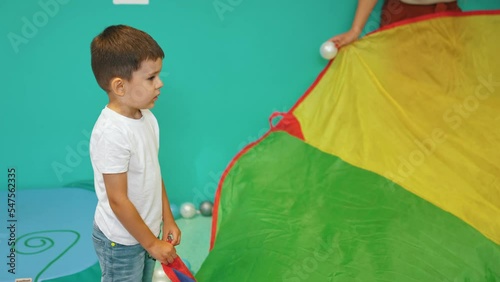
[(289, 212)]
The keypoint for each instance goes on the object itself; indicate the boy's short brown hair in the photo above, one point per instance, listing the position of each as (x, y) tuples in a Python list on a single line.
[(119, 51)]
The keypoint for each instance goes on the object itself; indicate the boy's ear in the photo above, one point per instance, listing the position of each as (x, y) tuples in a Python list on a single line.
[(117, 86)]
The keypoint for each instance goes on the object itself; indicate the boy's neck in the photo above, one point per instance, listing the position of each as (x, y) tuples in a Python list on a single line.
[(125, 111)]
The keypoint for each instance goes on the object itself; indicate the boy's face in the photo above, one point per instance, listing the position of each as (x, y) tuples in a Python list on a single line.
[(143, 89)]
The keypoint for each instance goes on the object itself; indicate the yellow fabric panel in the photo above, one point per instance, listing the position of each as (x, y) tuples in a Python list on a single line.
[(420, 105)]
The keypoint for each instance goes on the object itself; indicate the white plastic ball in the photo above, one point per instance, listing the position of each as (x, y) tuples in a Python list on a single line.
[(328, 50), (159, 275), (164, 279), (188, 210)]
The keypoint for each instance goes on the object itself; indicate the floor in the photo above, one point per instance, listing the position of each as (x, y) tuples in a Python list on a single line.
[(52, 232)]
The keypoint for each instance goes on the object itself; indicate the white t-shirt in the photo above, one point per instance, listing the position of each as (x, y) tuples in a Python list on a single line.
[(120, 144), (426, 2)]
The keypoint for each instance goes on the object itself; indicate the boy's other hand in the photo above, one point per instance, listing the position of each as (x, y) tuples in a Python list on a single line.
[(171, 233)]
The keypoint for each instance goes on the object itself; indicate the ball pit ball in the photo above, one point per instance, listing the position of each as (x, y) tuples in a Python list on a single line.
[(159, 274), (186, 262), (206, 208), (176, 213), (328, 50), (188, 210)]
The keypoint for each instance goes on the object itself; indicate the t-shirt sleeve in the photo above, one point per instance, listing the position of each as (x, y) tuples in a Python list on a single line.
[(111, 152)]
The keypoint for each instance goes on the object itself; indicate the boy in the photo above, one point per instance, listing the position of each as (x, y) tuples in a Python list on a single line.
[(132, 202)]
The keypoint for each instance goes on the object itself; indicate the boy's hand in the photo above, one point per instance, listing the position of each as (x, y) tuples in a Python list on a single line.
[(163, 251), (171, 233)]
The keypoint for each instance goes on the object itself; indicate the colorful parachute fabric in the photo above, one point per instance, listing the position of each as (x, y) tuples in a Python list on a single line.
[(177, 271), (387, 169)]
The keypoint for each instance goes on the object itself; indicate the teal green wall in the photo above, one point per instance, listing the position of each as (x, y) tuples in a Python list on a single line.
[(225, 72)]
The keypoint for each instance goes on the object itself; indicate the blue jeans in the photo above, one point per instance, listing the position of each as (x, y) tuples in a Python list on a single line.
[(121, 263)]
